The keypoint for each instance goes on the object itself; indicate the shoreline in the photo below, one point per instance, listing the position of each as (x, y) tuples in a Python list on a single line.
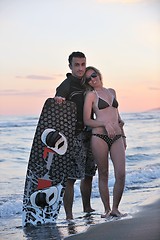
[(143, 225)]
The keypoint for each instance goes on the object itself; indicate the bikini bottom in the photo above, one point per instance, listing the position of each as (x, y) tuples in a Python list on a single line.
[(108, 140)]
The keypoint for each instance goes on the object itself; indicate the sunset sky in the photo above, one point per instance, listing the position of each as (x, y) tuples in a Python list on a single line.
[(119, 37)]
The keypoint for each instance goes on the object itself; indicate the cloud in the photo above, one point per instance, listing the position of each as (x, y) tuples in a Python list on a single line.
[(121, 1), (27, 92), (39, 77), (154, 88)]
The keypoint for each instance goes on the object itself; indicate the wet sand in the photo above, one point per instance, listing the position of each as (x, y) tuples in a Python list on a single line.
[(145, 224)]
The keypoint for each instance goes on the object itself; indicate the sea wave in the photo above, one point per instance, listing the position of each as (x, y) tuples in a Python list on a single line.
[(142, 157), (143, 178), (143, 175), (10, 206)]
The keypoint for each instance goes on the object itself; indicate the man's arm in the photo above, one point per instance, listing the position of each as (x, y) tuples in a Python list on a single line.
[(62, 91)]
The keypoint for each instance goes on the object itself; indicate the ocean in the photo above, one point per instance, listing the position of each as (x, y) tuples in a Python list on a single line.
[(142, 176)]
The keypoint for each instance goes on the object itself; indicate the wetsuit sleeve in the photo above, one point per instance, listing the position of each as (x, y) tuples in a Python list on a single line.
[(63, 89)]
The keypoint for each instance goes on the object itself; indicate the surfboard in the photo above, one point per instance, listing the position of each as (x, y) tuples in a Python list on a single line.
[(49, 163)]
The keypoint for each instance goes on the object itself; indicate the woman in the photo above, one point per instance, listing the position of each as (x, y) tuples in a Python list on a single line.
[(107, 137)]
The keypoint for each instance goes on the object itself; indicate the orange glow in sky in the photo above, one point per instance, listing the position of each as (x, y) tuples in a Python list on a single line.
[(121, 38)]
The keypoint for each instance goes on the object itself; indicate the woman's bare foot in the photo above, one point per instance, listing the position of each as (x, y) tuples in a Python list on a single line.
[(116, 213), (106, 214)]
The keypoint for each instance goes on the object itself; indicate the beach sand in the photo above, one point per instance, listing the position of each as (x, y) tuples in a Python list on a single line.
[(144, 225)]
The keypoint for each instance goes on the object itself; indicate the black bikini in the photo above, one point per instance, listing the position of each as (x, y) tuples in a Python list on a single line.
[(102, 104), (108, 140)]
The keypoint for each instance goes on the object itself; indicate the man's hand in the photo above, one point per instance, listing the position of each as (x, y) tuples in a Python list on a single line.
[(59, 99), (110, 130)]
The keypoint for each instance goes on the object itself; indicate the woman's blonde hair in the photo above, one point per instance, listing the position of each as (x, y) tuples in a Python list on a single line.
[(87, 86)]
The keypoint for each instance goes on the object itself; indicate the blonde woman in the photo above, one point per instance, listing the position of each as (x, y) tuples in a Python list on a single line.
[(107, 137)]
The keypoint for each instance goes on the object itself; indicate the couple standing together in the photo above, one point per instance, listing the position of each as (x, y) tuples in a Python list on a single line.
[(99, 132)]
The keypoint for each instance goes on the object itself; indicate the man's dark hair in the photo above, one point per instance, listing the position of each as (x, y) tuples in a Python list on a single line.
[(75, 54)]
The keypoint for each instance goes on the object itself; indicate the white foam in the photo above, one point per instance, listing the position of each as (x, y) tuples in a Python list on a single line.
[(10, 208)]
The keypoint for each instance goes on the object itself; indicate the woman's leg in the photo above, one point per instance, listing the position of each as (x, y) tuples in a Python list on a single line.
[(117, 153), (100, 153)]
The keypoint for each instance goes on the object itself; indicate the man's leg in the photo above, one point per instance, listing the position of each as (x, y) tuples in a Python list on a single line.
[(86, 188), (68, 198)]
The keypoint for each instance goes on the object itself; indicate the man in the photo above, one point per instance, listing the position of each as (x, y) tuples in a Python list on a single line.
[(82, 163)]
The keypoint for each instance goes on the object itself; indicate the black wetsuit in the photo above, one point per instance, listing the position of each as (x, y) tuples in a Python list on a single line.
[(73, 90), (82, 162)]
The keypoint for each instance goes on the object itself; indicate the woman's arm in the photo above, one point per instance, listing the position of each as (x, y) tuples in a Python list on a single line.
[(121, 124), (120, 121), (87, 109), (89, 100)]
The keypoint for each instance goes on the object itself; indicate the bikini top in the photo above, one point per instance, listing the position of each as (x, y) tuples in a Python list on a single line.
[(102, 104)]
